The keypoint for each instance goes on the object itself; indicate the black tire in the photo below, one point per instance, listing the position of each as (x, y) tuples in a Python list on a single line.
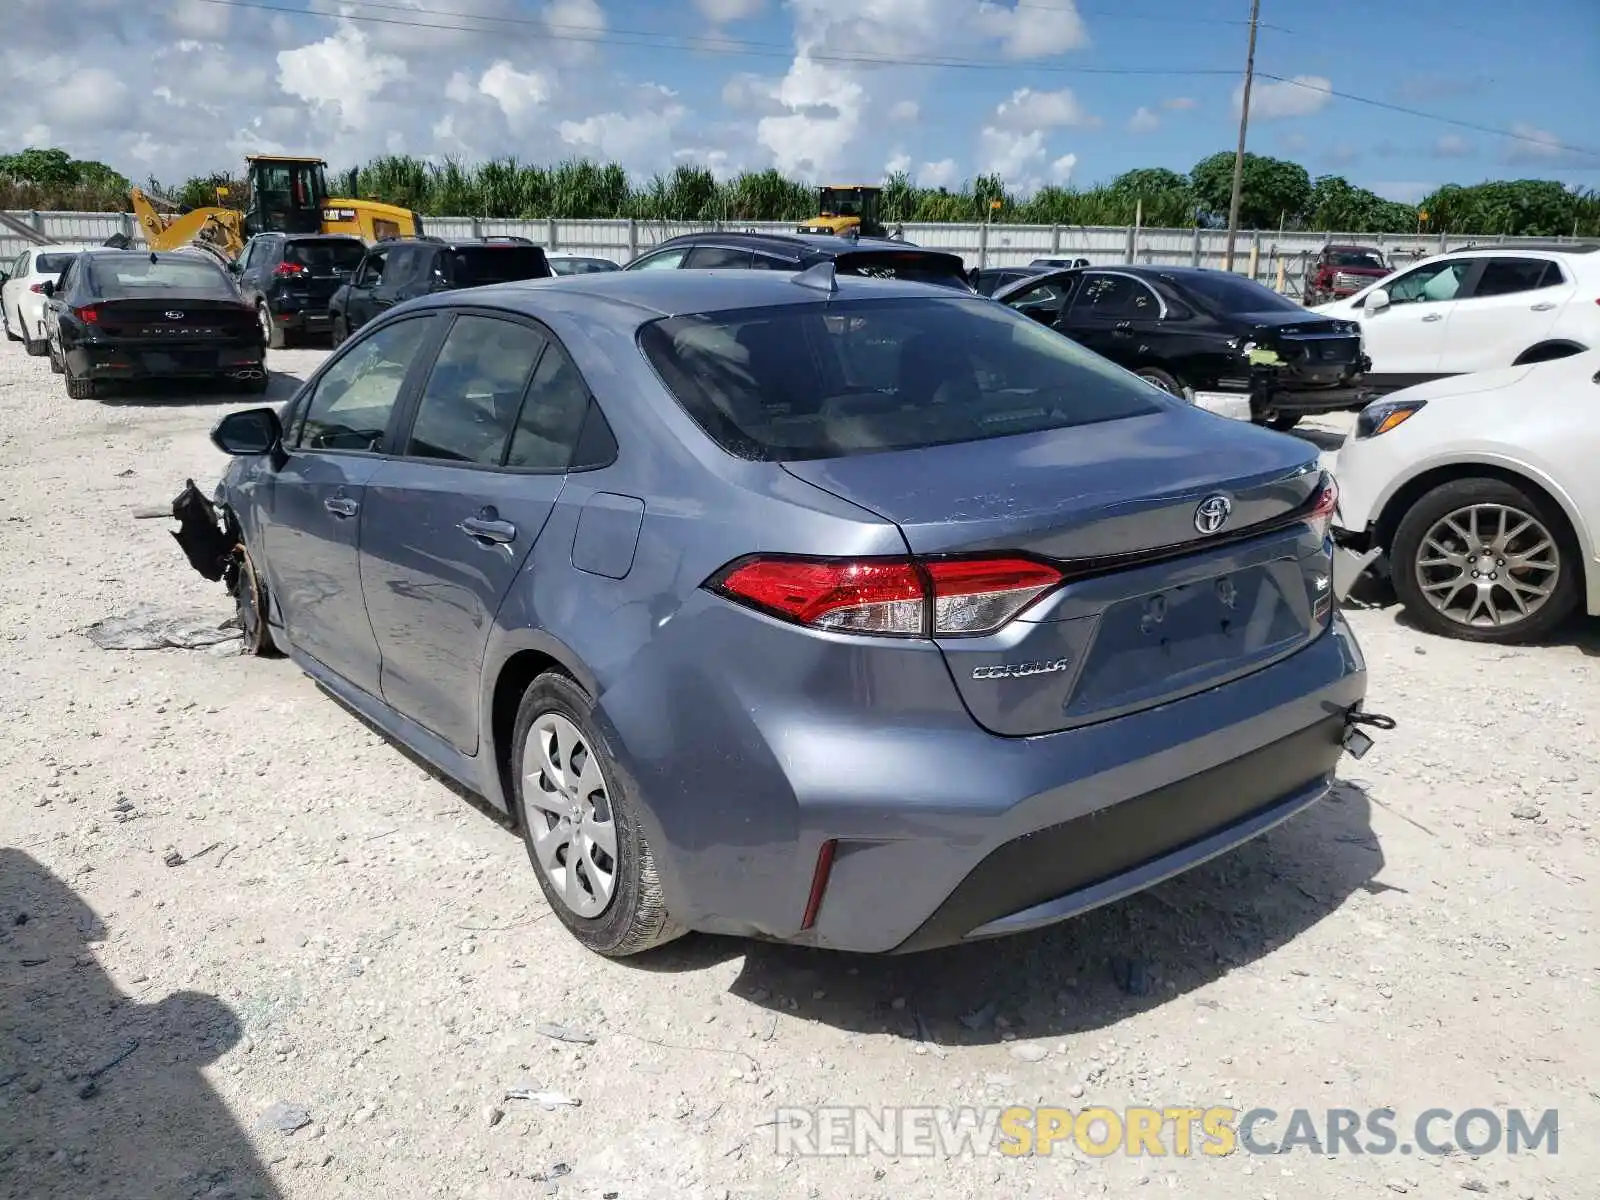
[(250, 607), (1162, 380), (81, 389), (273, 332), (56, 366), (1283, 422), (1457, 494), (635, 919), (341, 330)]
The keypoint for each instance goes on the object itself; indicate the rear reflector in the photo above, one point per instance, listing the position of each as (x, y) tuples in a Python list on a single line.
[(896, 597), (1321, 515), (89, 315), (819, 883)]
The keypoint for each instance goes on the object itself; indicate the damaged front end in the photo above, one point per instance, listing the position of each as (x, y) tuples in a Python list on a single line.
[(210, 542)]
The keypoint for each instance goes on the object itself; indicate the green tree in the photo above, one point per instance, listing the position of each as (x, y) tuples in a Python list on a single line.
[(1529, 207), (1272, 190), (1336, 205), (45, 168)]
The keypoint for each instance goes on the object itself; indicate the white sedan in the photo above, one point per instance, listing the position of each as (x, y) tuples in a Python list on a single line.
[(1483, 493), (22, 299)]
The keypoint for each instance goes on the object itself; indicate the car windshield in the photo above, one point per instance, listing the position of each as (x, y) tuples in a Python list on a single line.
[(1356, 258), (1226, 292), (325, 256), (945, 269), (475, 266), (52, 264), (126, 276), (827, 380), (581, 266)]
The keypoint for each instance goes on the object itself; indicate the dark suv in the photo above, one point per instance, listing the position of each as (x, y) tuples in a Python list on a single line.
[(288, 278), (404, 268), (884, 258)]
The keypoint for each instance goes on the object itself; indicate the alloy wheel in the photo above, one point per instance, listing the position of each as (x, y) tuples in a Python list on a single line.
[(264, 319), (1488, 565), (568, 807)]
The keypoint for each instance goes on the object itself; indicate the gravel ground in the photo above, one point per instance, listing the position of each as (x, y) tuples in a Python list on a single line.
[(266, 955)]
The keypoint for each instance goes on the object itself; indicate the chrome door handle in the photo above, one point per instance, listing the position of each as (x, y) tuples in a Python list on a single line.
[(1545, 306), (488, 529), (1434, 317), (341, 506)]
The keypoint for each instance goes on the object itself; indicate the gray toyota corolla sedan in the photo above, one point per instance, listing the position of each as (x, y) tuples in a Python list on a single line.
[(849, 612)]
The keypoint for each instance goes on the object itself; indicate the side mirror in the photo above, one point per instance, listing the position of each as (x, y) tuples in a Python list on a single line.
[(48, 287), (253, 431), (1377, 300)]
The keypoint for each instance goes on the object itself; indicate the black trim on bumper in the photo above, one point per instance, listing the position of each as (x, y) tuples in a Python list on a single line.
[(1116, 840)]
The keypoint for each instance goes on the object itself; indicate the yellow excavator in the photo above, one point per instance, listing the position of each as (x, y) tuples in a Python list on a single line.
[(843, 208), (287, 195)]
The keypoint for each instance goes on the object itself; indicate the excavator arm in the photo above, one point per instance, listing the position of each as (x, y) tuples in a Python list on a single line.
[(219, 230)]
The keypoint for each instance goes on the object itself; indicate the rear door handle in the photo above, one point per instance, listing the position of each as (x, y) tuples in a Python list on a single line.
[(341, 506), (489, 529), (1544, 306), (1434, 317)]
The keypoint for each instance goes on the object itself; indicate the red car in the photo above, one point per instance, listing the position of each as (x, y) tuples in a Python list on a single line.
[(1340, 271)]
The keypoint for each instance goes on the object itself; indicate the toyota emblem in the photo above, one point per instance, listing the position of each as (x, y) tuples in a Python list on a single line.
[(1212, 513), (173, 315)]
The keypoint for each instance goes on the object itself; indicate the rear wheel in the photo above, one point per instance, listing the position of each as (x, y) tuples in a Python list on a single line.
[(36, 347), (1486, 561), (272, 332), (81, 389), (1161, 379), (581, 824), (56, 367)]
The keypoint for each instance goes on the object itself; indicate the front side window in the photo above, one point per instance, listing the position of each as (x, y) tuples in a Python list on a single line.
[(717, 258), (498, 262), (666, 260), (354, 399), (1432, 284), (470, 402), (372, 269), (1506, 276), (830, 379), (401, 266), (1043, 301)]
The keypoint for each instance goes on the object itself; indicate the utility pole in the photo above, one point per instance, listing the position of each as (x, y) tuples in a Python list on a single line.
[(1244, 124)]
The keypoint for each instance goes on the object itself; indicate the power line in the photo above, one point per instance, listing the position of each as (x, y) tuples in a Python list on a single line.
[(735, 47)]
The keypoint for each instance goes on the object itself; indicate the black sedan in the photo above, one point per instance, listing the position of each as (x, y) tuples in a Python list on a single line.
[(1227, 342), (120, 316)]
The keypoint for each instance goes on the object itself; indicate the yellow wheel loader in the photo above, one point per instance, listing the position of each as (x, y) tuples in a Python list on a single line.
[(844, 208), (287, 195)]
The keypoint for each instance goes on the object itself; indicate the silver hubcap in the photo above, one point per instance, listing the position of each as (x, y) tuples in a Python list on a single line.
[(1488, 565), (569, 815), (1160, 383)]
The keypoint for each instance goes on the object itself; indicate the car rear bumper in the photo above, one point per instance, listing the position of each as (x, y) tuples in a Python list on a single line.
[(1270, 397), (133, 361), (937, 831)]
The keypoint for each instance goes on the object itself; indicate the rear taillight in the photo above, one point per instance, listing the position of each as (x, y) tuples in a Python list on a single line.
[(283, 269), (896, 597), (89, 315), (1327, 503), (37, 289)]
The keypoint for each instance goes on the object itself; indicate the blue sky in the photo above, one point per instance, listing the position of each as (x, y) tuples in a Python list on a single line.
[(816, 87)]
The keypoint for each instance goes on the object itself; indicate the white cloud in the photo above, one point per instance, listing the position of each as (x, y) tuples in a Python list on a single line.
[(1452, 145), (92, 95), (1061, 170), (1405, 192), (905, 110), (1179, 103), (1534, 145), (1143, 121), (719, 12), (1010, 155), (1297, 97), (898, 162), (1033, 30), (195, 18), (824, 107), (753, 95), (941, 174), (638, 136), (1028, 109), (517, 93), (340, 73)]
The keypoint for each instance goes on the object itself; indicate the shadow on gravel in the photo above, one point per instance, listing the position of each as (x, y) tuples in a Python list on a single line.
[(179, 393), (101, 1096), (1149, 950)]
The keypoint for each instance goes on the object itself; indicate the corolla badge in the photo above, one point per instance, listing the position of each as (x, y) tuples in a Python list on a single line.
[(1020, 670), (1212, 513)]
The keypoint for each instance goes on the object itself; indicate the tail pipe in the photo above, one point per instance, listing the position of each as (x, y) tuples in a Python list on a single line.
[(1356, 740), (248, 373)]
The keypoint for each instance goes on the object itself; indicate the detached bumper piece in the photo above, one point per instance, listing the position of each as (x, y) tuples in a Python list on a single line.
[(1060, 871), (205, 543)]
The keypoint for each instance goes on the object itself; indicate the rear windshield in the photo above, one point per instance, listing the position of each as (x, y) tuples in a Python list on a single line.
[(1230, 293), (581, 266), (125, 276), (474, 266), (333, 254), (52, 264), (827, 380), (905, 264)]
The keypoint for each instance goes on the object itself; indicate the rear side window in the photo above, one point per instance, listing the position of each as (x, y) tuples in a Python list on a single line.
[(470, 401), (477, 266), (325, 257), (552, 416), (717, 258), (1504, 276), (825, 380), (1114, 298), (905, 264)]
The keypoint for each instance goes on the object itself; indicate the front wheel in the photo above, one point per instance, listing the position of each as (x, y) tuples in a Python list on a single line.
[(1161, 380), (581, 824), (250, 606), (1484, 560)]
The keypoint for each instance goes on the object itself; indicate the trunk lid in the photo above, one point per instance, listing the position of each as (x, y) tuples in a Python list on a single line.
[(324, 265), (1152, 608), (174, 320)]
